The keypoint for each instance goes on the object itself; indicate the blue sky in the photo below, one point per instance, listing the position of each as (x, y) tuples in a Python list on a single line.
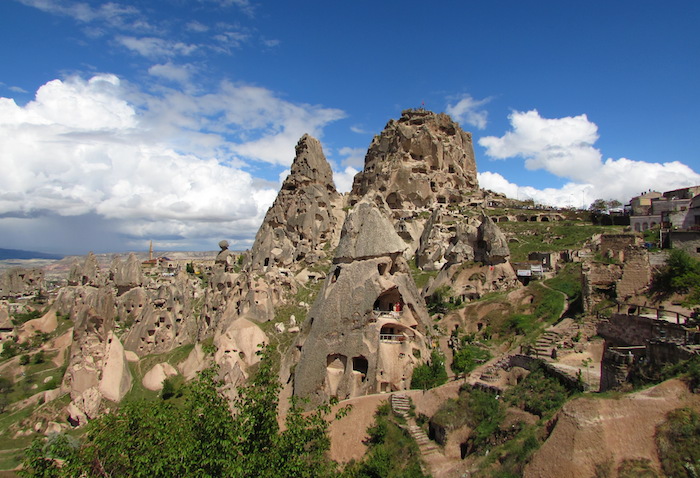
[(176, 120)]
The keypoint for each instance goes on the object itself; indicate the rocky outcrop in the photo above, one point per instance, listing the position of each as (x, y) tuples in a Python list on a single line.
[(367, 329), (86, 274), (225, 258), (20, 281), (97, 367), (162, 318), (126, 275), (304, 221), (420, 160)]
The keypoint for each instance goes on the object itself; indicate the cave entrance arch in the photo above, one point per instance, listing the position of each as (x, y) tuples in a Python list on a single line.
[(389, 301)]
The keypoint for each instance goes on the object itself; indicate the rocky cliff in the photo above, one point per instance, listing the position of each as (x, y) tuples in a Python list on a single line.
[(420, 160), (304, 221)]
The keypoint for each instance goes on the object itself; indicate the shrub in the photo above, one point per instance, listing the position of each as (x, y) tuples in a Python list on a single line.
[(467, 358), (430, 375)]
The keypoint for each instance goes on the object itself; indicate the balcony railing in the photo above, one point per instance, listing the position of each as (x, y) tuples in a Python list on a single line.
[(392, 338)]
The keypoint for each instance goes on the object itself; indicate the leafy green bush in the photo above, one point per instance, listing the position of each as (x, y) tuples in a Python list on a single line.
[(681, 274), (392, 452), (538, 393), (430, 375), (468, 357), (196, 437)]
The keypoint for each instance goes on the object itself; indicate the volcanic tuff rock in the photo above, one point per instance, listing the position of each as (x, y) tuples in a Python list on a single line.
[(367, 329), (19, 281), (86, 274), (163, 318), (421, 160), (306, 215), (126, 275)]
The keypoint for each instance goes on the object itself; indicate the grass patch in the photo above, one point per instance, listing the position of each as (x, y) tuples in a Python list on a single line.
[(420, 277), (538, 393)]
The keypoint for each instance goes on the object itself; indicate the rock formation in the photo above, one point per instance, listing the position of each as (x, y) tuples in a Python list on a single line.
[(20, 281), (421, 160), (367, 329), (225, 258), (617, 269), (304, 221), (86, 274), (127, 275)]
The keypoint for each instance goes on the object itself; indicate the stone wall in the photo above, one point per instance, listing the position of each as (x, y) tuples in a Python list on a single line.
[(627, 330)]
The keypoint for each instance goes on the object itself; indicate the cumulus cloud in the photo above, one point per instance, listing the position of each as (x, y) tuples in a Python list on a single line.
[(158, 166), (343, 179), (468, 111), (354, 157), (565, 148)]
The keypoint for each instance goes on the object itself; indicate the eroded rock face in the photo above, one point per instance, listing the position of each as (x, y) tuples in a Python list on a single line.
[(97, 367), (367, 329), (127, 275), (304, 221), (87, 273), (20, 281), (420, 160), (624, 273), (161, 319)]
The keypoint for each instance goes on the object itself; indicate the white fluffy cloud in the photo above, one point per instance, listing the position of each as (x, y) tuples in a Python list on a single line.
[(158, 166), (565, 148), (468, 111)]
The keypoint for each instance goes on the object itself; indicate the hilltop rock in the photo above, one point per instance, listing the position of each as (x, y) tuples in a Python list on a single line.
[(367, 233), (305, 218), (367, 329), (421, 160)]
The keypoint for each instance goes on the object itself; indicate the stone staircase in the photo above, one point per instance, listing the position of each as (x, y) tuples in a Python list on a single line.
[(546, 343), (401, 404)]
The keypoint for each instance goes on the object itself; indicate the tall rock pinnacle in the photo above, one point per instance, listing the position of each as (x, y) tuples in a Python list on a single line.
[(306, 215)]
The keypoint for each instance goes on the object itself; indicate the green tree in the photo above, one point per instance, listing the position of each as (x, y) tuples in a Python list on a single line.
[(198, 436), (430, 375), (681, 274), (467, 358)]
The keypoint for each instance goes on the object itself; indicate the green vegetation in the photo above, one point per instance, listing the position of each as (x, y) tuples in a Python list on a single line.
[(468, 357), (199, 437), (548, 236), (430, 375), (678, 443), (636, 468), (681, 274), (688, 370), (392, 452), (441, 301), (538, 393), (21, 317), (420, 277), (568, 280)]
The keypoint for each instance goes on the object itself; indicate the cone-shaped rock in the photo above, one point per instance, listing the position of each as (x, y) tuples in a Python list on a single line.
[(367, 329), (306, 214)]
